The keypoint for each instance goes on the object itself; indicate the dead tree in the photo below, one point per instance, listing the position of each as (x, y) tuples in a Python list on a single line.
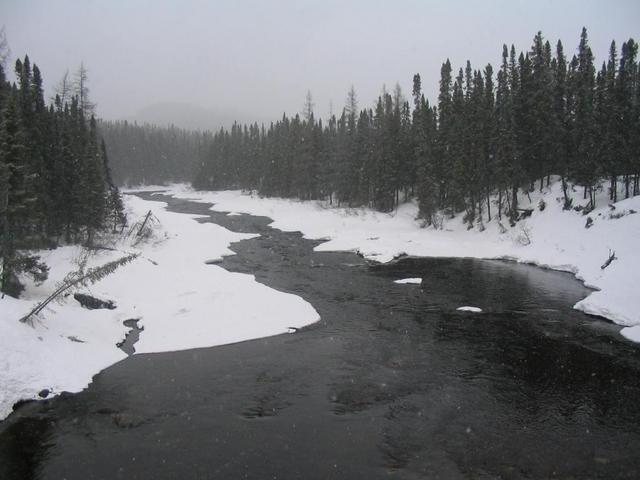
[(81, 278)]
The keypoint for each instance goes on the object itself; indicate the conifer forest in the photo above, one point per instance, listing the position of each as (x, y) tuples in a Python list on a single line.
[(491, 132), (150, 154), (55, 180)]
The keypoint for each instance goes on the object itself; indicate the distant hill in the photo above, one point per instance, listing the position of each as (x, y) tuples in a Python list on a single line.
[(191, 117)]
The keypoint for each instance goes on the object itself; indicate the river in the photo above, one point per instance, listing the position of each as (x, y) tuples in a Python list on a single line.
[(393, 382)]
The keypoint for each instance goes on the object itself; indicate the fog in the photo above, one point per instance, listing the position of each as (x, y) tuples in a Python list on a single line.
[(207, 62)]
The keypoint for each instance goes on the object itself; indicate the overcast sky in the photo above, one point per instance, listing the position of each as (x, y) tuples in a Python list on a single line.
[(260, 57)]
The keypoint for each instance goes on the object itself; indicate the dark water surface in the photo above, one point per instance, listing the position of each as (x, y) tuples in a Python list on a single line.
[(393, 382)]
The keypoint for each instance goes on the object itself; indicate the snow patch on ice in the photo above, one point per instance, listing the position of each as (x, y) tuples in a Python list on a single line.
[(469, 309), (631, 333), (416, 281)]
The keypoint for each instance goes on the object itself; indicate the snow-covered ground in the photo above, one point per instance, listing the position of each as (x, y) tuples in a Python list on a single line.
[(551, 238), (181, 303)]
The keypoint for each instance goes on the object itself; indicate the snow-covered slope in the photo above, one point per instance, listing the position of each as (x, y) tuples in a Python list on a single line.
[(550, 238), (181, 303)]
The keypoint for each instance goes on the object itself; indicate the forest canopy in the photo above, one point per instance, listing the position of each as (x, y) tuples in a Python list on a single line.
[(492, 132)]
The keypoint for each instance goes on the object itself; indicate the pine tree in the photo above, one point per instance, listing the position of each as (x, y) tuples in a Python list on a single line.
[(488, 137), (307, 111), (95, 201), (586, 167), (543, 120), (16, 202), (114, 207), (505, 153), (609, 125), (626, 104), (425, 130), (560, 143), (444, 139), (365, 148)]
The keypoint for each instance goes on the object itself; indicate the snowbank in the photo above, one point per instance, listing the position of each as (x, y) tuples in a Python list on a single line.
[(181, 302), (550, 238)]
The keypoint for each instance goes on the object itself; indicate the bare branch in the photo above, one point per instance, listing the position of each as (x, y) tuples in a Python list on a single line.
[(81, 90), (62, 89)]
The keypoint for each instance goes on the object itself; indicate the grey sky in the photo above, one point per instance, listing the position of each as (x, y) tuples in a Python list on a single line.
[(260, 57)]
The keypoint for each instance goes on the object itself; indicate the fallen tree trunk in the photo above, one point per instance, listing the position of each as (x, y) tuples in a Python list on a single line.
[(146, 219), (92, 303), (612, 257), (92, 276)]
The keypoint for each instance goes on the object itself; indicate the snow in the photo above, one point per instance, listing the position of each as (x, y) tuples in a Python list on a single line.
[(631, 333), (469, 309), (402, 281), (181, 302), (550, 238)]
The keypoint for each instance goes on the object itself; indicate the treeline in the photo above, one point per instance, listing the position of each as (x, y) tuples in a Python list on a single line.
[(147, 154), (55, 182), (489, 136)]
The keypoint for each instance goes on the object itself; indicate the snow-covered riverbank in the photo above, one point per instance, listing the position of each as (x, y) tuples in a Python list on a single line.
[(551, 238), (184, 303), (181, 303)]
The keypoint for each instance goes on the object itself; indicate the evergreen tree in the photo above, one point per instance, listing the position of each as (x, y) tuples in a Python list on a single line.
[(445, 134), (114, 207), (543, 119), (586, 167), (626, 109), (16, 202), (561, 141)]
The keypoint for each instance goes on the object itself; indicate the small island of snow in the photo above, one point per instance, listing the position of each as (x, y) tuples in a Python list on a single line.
[(469, 309), (416, 281)]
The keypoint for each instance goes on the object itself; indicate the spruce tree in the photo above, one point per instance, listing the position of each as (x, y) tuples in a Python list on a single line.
[(543, 120), (16, 202), (626, 104), (560, 143), (586, 167)]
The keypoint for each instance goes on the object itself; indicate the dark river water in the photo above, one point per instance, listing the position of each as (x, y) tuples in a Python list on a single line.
[(393, 382)]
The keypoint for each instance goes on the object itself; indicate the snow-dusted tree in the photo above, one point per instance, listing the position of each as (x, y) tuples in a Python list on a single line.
[(307, 110), (62, 91), (81, 90), (5, 51)]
